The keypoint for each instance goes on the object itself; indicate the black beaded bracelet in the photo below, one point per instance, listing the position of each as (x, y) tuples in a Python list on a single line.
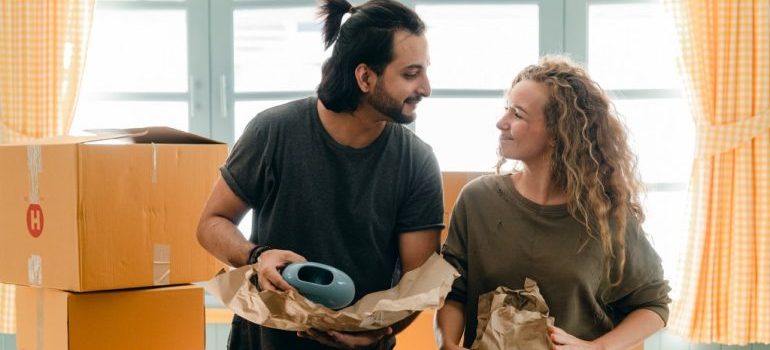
[(256, 252)]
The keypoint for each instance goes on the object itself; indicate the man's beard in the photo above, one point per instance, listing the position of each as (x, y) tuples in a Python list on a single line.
[(389, 106)]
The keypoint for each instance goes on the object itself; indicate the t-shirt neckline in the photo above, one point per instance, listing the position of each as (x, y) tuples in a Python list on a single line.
[(316, 120), (505, 184)]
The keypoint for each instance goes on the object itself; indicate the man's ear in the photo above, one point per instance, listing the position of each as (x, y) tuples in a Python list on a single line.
[(365, 78)]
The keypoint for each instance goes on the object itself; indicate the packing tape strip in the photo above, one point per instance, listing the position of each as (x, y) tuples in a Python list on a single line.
[(35, 270), (161, 264), (154, 163), (35, 275), (35, 166)]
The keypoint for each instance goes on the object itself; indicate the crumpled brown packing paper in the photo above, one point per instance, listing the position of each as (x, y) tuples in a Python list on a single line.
[(513, 319), (419, 289)]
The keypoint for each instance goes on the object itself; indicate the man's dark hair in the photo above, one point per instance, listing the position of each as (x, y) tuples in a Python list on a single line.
[(366, 37)]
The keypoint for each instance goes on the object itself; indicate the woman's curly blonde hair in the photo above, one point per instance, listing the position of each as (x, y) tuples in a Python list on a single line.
[(591, 160)]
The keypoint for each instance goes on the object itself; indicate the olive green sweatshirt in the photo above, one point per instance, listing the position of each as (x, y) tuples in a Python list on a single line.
[(497, 237)]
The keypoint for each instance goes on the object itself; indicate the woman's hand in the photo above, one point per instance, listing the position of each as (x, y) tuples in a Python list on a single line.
[(565, 341)]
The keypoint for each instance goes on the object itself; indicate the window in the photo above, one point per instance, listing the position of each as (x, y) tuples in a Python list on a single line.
[(632, 50), (143, 67), (475, 52), (209, 66)]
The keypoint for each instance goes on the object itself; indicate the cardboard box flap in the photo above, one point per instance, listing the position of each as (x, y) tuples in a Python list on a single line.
[(153, 134), (66, 139)]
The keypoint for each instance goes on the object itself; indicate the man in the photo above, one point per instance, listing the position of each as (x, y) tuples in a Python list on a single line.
[(336, 179)]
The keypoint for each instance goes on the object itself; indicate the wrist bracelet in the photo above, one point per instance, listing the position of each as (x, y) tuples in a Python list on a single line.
[(256, 252)]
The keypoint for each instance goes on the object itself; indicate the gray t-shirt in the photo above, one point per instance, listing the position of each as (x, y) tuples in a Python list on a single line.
[(331, 203)]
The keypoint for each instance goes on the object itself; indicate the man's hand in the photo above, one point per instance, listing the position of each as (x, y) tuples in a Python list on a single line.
[(270, 262), (344, 340), (565, 341)]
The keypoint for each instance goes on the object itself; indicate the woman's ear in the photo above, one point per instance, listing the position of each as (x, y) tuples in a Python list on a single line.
[(365, 78)]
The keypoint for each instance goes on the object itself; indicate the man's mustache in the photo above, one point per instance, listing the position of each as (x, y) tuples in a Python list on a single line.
[(414, 99)]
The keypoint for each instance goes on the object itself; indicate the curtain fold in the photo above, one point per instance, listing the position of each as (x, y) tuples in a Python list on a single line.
[(725, 291), (42, 54)]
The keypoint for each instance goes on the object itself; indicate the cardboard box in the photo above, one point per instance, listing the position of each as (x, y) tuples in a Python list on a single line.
[(90, 213), (154, 318)]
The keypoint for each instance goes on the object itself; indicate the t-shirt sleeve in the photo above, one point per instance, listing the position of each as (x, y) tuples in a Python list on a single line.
[(247, 170), (423, 208), (643, 285), (455, 250)]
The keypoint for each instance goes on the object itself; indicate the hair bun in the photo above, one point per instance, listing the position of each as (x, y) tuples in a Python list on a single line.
[(332, 12)]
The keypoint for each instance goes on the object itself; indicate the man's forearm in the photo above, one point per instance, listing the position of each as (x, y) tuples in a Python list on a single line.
[(221, 237)]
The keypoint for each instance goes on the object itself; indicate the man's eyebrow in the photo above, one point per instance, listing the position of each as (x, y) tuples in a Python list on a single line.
[(413, 66)]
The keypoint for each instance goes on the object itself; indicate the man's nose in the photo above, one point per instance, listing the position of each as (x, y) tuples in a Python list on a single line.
[(424, 89)]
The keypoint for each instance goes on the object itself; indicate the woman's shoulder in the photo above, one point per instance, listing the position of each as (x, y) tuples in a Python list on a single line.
[(483, 185)]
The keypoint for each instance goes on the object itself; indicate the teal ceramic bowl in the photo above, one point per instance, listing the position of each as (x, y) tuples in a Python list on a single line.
[(322, 284)]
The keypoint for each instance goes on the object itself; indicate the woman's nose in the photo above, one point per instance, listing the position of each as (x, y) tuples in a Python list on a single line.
[(502, 123)]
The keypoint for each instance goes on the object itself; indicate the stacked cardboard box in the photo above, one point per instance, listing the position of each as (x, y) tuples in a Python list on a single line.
[(152, 318), (84, 217)]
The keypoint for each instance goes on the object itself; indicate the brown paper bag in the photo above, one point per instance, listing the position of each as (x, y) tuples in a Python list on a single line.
[(423, 288), (513, 320)]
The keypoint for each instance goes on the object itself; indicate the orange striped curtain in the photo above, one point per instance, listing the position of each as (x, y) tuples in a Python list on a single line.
[(42, 50), (725, 291), (7, 312)]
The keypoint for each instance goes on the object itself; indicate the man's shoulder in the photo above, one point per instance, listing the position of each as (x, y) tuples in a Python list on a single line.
[(407, 137), (287, 112)]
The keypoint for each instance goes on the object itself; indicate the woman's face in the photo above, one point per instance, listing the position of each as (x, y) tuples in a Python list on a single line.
[(523, 134)]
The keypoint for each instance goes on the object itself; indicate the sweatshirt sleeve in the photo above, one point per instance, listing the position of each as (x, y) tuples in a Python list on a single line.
[(455, 250), (643, 285)]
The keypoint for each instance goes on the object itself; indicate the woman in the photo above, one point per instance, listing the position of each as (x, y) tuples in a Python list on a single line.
[(569, 219)]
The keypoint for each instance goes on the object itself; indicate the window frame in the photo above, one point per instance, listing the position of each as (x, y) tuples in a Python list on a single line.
[(210, 97), (197, 96)]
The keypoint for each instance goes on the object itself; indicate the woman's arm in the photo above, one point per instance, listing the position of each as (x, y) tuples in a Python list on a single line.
[(634, 329), (449, 324)]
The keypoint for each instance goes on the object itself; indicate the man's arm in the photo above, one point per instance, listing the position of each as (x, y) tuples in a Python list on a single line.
[(415, 248), (218, 233), (217, 229)]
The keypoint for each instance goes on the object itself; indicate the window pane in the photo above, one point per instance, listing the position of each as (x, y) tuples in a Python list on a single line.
[(462, 132), (663, 136), (247, 110), (137, 50), (479, 46), (245, 225), (128, 114), (666, 226), (277, 49), (632, 46)]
